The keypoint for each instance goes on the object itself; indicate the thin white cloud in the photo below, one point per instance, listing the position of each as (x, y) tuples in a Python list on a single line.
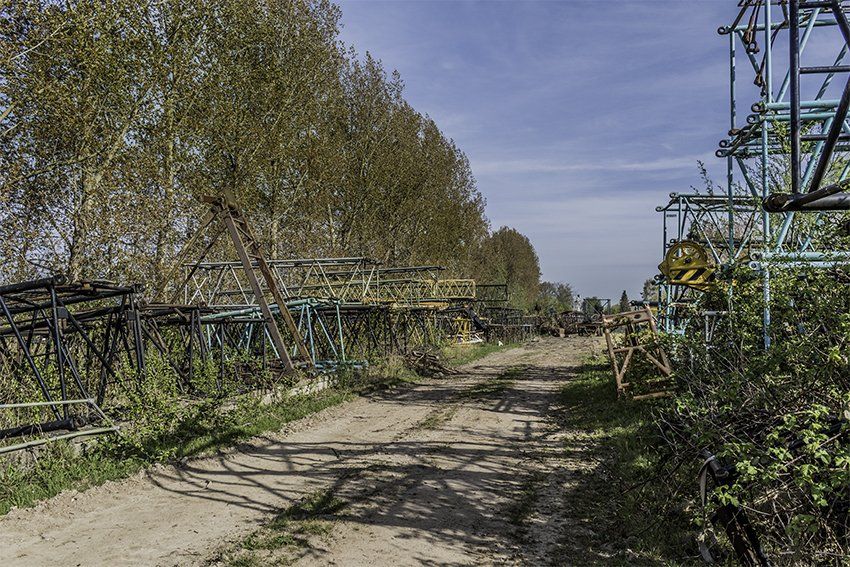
[(507, 167)]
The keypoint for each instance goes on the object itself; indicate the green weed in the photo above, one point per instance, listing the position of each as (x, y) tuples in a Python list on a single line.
[(458, 355), (279, 541), (624, 498), (184, 431), (522, 506), (497, 385), (437, 418)]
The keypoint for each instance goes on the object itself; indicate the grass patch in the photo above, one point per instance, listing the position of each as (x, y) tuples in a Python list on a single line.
[(389, 373), (292, 530), (493, 387), (458, 355), (623, 497), (437, 418), (497, 385), (195, 430), (59, 467), (522, 507)]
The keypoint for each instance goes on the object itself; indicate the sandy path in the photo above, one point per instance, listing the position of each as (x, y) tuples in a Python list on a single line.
[(432, 471)]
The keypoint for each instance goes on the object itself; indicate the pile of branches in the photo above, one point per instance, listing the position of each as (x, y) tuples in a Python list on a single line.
[(427, 364), (764, 433)]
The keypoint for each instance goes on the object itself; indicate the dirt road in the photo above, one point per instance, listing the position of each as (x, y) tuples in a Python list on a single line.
[(444, 472)]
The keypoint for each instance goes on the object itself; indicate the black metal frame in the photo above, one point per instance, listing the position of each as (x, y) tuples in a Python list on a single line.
[(68, 354), (816, 197)]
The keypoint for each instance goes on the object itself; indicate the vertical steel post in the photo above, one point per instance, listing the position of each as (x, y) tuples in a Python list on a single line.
[(339, 327), (662, 308), (221, 356), (265, 350), (138, 340), (107, 359), (794, 76), (768, 98), (730, 182), (680, 229), (730, 166), (60, 358), (310, 331), (191, 352)]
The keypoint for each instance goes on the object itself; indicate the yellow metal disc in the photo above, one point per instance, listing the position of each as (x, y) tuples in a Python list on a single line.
[(688, 263)]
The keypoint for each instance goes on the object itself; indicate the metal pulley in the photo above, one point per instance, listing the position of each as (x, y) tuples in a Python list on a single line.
[(688, 263)]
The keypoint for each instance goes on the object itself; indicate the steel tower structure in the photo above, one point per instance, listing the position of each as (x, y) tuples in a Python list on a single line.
[(725, 227), (791, 151)]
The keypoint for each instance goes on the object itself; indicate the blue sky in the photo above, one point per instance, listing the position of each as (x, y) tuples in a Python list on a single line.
[(578, 117)]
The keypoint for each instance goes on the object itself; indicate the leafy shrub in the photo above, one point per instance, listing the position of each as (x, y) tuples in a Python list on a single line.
[(777, 416)]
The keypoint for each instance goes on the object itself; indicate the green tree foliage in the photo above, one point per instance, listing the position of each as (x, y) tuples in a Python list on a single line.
[(624, 302), (555, 296), (508, 256), (650, 290), (115, 116), (594, 305)]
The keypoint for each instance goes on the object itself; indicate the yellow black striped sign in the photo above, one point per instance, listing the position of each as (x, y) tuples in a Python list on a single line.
[(687, 263)]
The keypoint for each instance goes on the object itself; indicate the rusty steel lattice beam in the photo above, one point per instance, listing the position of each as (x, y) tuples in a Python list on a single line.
[(379, 330), (251, 260), (250, 254), (422, 291), (225, 283), (491, 295), (506, 324), (348, 280)]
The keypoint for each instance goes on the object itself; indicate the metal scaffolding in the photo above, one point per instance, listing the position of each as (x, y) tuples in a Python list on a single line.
[(797, 133), (348, 280), (728, 230), (73, 348), (64, 345)]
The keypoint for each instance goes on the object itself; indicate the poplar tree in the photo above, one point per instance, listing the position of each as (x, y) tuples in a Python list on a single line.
[(115, 116), (624, 302)]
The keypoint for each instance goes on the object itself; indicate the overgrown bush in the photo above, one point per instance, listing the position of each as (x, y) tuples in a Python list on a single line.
[(776, 417)]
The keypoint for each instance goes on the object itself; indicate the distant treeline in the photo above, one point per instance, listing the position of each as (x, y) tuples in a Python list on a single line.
[(116, 115)]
